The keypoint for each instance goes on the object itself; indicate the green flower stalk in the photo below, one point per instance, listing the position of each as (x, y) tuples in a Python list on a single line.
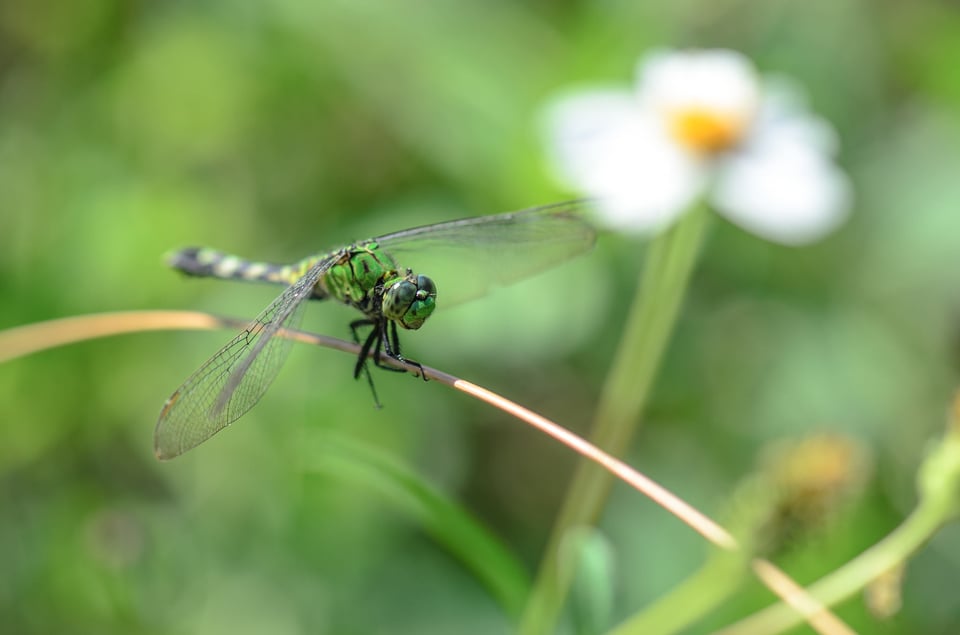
[(651, 321)]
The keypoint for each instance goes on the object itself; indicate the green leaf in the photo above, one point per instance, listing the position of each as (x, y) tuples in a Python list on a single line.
[(447, 522)]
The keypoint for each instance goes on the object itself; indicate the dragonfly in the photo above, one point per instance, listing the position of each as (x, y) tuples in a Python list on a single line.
[(469, 256)]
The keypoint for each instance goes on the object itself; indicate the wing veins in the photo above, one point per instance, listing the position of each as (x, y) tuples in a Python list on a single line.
[(217, 393)]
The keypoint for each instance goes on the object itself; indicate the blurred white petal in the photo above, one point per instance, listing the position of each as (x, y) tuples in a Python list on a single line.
[(577, 125), (783, 191), (784, 114), (606, 147), (644, 187), (719, 81)]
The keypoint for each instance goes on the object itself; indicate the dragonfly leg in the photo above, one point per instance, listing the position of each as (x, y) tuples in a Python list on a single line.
[(394, 338), (361, 366), (383, 341), (391, 344), (364, 349), (373, 342), (365, 346), (388, 350)]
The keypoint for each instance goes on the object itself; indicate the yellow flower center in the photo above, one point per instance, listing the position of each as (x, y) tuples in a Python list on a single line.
[(706, 131)]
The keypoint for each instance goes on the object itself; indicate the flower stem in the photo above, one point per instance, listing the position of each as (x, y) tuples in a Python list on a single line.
[(652, 316), (703, 592), (939, 485)]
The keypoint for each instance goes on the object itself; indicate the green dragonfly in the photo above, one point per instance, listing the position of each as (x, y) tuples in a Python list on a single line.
[(469, 256)]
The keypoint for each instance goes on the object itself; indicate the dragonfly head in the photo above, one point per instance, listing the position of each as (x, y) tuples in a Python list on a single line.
[(409, 300)]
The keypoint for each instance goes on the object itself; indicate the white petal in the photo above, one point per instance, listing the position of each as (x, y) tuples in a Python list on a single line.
[(719, 81), (783, 191), (643, 190), (605, 146), (578, 123), (783, 115)]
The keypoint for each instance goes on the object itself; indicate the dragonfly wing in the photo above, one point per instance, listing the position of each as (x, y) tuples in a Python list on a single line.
[(469, 257), (232, 381)]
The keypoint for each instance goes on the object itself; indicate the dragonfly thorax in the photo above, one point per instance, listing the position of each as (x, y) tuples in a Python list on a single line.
[(409, 300), (365, 277)]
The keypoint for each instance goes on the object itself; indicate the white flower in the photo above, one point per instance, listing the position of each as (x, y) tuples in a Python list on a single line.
[(701, 124)]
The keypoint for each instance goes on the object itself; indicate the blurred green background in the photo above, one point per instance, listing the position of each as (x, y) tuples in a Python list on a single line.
[(279, 129)]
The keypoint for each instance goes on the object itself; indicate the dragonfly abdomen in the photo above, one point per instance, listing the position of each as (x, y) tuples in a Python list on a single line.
[(205, 262)]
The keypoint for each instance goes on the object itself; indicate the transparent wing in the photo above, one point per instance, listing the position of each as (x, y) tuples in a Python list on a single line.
[(236, 377), (467, 258)]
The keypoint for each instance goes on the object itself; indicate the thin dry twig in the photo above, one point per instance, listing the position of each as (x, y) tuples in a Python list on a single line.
[(816, 614), (32, 338), (24, 340)]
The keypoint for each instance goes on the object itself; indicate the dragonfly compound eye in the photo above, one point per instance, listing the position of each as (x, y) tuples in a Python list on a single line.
[(410, 301), (424, 304), (426, 288)]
